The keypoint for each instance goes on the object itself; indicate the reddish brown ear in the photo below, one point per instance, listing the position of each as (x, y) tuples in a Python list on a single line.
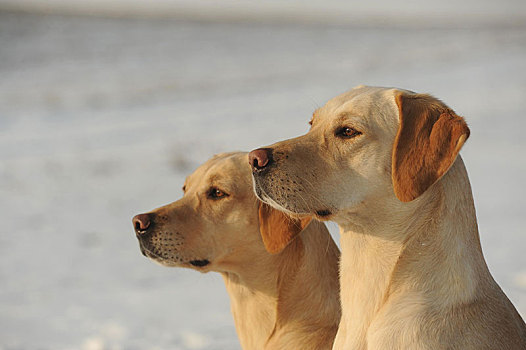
[(277, 228), (429, 138)]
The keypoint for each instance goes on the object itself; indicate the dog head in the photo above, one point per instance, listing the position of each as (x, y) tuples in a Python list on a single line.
[(367, 145), (218, 224)]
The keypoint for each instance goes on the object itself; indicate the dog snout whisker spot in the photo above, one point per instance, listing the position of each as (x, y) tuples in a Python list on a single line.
[(142, 223)]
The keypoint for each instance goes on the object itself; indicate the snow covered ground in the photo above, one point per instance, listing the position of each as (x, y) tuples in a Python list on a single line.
[(102, 118)]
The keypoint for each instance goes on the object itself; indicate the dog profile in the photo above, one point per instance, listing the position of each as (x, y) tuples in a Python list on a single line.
[(383, 163), (285, 300)]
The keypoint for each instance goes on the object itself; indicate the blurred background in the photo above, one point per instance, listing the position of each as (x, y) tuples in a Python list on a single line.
[(106, 106)]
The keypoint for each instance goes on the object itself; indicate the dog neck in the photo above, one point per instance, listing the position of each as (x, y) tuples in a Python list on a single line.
[(288, 300), (396, 251)]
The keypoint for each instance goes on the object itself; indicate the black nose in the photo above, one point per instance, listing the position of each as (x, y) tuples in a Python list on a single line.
[(260, 158), (142, 223)]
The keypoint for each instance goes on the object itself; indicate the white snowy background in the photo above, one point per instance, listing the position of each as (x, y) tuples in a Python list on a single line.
[(106, 106)]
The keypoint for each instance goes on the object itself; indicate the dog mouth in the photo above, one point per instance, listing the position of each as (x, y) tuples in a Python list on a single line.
[(163, 260), (265, 198), (321, 214), (151, 255), (145, 252), (199, 263)]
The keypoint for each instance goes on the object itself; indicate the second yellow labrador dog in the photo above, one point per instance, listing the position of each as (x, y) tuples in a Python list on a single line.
[(383, 164), (288, 300)]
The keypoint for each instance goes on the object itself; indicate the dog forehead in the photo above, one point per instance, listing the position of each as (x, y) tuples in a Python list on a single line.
[(224, 168), (363, 101)]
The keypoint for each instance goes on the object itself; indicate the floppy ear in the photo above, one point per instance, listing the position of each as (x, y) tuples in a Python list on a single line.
[(429, 138), (277, 228)]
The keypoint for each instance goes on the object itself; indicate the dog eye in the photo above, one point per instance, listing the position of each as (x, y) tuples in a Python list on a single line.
[(215, 193), (347, 132), (184, 188)]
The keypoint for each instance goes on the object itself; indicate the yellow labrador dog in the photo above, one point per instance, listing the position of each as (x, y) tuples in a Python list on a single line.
[(287, 300), (383, 164)]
